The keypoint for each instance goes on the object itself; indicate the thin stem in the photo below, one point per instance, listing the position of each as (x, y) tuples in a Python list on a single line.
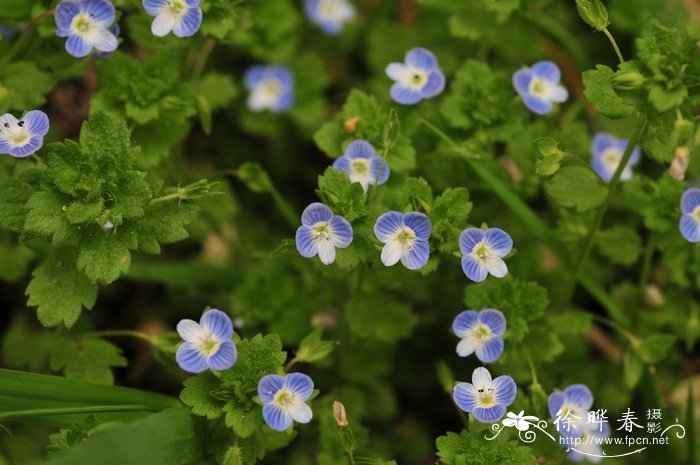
[(77, 410), (600, 214), (634, 340), (285, 209), (180, 195), (120, 333), (202, 58), (533, 371), (614, 44), (291, 363)]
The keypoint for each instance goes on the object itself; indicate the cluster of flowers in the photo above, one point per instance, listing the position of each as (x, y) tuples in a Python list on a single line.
[(208, 345)]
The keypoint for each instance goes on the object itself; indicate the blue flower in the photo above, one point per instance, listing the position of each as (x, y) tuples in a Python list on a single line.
[(574, 402), (330, 15), (417, 78), (21, 138), (208, 344), (362, 164), (284, 399), (270, 88), (689, 224), (405, 237), (483, 252), (182, 17), (485, 398), (589, 448), (607, 154), (539, 86), (86, 23), (481, 332), (321, 232), (7, 32), (116, 30)]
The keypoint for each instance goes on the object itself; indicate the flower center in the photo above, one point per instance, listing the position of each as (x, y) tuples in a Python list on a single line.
[(177, 7), (328, 8), (284, 398), (416, 78), (482, 332), (538, 87), (611, 157), (209, 345), (696, 213), (82, 23), (20, 139), (360, 166), (322, 230), (482, 252), (406, 236), (485, 397)]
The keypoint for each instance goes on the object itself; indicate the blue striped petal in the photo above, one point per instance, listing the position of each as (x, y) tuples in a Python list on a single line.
[(555, 402), (387, 225), (690, 228), (276, 418), (473, 268), (342, 164), (218, 324), (284, 102), (494, 319), (341, 232), (579, 395), (77, 47), (499, 241), (224, 358), (505, 389), (65, 12), (268, 387), (521, 81), (153, 7), (376, 164), (417, 256), (37, 122), (537, 105), (469, 238), (254, 76), (300, 384), (405, 95), (690, 200), (601, 142), (464, 395), (102, 11), (421, 58), (464, 321), (435, 84), (359, 149), (547, 70), (420, 224), (190, 359), (189, 23), (490, 414), (27, 149), (305, 242), (491, 350), (600, 167), (315, 213)]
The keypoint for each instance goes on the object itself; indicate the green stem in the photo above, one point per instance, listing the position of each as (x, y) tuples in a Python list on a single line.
[(202, 58), (77, 410), (634, 340), (181, 194), (285, 209), (533, 371), (614, 44), (120, 333), (291, 363), (600, 214)]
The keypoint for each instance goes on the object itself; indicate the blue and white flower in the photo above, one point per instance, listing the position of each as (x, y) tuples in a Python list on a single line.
[(607, 155), (405, 238), (208, 344), (330, 15), (483, 252), (481, 333), (689, 224), (284, 399), (21, 138), (589, 448), (362, 164), (485, 398), (417, 78), (270, 88), (321, 232), (181, 17), (572, 404), (86, 24), (539, 87)]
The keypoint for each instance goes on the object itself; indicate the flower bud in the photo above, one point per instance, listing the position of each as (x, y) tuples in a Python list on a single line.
[(653, 296), (350, 125), (341, 418), (680, 162), (593, 13)]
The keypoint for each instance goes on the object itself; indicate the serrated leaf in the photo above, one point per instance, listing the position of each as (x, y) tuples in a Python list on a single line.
[(86, 359), (599, 91), (578, 187)]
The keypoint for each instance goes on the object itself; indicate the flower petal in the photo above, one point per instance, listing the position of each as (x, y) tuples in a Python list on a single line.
[(163, 24), (102, 11), (218, 324), (555, 401), (499, 240), (224, 358), (154, 7), (464, 395), (190, 331), (268, 387), (420, 224), (342, 164), (505, 389), (546, 70), (254, 75), (359, 149), (469, 238), (189, 24), (481, 378), (537, 105), (276, 418), (690, 200), (494, 319), (466, 320), (300, 384), (601, 142), (392, 253), (467, 346), (387, 225), (497, 267), (300, 412), (77, 46), (341, 231), (398, 72), (306, 242), (521, 81), (421, 58), (103, 40), (690, 228), (473, 268), (490, 414), (326, 251), (27, 149), (580, 395), (190, 359), (376, 164), (491, 350), (417, 255), (557, 93), (37, 122), (316, 212), (405, 95), (435, 84), (65, 12)]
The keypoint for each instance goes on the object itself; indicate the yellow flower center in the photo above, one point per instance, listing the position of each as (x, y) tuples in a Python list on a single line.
[(177, 7), (210, 345), (360, 166), (322, 230), (83, 23), (284, 398), (406, 235)]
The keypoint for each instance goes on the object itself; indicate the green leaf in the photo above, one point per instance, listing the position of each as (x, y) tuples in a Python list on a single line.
[(599, 90), (23, 86), (550, 156), (470, 448), (632, 369), (654, 348), (46, 216), (87, 359), (103, 259), (620, 244), (255, 177), (164, 223), (197, 394), (313, 349), (59, 290), (449, 215), (344, 197), (578, 187), (14, 194), (379, 317)]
